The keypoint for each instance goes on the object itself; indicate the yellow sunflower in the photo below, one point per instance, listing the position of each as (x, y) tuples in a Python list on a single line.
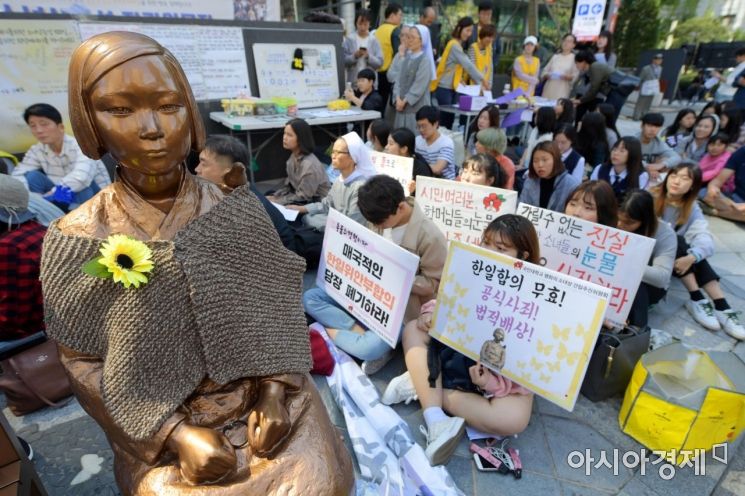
[(126, 259)]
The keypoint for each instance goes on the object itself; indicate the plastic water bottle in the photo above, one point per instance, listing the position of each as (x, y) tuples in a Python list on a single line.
[(506, 89)]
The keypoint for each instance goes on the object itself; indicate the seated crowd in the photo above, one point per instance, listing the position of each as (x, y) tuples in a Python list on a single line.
[(656, 184)]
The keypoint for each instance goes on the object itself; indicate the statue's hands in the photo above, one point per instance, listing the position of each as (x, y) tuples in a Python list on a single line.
[(205, 455), (268, 423)]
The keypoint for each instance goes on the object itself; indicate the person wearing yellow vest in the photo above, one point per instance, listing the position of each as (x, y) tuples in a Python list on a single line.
[(526, 68), (387, 35), (450, 70), (480, 53)]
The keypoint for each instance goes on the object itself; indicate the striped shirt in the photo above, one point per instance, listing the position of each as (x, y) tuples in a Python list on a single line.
[(442, 149), (70, 168)]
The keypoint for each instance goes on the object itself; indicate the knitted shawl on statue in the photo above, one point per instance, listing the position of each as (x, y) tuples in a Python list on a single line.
[(223, 301)]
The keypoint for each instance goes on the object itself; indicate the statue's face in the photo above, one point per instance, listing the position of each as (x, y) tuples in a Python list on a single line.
[(141, 116)]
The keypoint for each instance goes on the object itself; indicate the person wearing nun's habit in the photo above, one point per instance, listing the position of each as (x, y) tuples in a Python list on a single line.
[(351, 158), (412, 74)]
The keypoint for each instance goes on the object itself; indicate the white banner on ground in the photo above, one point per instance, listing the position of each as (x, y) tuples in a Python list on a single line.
[(368, 275), (603, 255), (462, 210), (399, 168), (532, 325), (588, 19)]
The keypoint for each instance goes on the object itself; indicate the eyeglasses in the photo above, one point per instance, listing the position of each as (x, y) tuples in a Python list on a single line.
[(337, 152)]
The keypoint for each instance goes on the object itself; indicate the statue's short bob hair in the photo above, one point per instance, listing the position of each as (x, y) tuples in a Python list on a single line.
[(98, 55)]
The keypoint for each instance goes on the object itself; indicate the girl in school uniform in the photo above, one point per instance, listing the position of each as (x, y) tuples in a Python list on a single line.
[(593, 201), (675, 203), (624, 171), (351, 158), (565, 138), (453, 68), (548, 184), (452, 383), (681, 127), (483, 169), (636, 215), (306, 176)]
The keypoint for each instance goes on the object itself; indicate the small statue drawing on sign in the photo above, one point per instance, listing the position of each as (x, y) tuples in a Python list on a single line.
[(493, 352)]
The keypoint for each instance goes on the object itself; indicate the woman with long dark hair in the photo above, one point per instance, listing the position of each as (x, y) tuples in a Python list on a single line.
[(624, 171), (604, 49), (488, 117), (675, 203), (450, 70), (681, 127), (636, 215), (593, 141)]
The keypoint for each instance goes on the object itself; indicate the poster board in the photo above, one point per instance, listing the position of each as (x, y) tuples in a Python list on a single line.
[(34, 62), (603, 255), (549, 322), (399, 168), (462, 210), (588, 19), (213, 57), (368, 275), (314, 86)]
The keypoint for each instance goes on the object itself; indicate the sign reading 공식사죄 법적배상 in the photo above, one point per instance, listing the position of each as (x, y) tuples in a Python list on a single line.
[(532, 325)]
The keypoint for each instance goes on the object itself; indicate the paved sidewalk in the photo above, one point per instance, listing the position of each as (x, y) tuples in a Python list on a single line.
[(65, 439)]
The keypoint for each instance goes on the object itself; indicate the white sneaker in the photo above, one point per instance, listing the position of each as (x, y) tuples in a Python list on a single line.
[(703, 312), (730, 322), (369, 367), (442, 439), (399, 389)]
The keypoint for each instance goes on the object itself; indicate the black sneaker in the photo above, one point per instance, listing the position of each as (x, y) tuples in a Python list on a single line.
[(27, 448)]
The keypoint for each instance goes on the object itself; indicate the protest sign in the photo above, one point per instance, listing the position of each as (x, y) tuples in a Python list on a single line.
[(462, 210), (600, 254), (368, 275), (399, 168), (530, 324)]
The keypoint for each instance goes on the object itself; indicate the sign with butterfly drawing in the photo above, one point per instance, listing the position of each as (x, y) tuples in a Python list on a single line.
[(368, 275), (533, 325), (462, 210), (399, 168), (600, 254)]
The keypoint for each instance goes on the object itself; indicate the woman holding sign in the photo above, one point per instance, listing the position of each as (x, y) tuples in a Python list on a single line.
[(548, 184), (675, 202), (445, 380), (636, 215)]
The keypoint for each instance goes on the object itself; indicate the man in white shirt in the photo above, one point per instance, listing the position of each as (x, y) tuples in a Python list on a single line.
[(437, 149), (57, 160)]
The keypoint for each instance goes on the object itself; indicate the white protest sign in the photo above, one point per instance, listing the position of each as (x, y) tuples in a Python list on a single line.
[(399, 168), (462, 210), (603, 255), (530, 324), (368, 275), (588, 19)]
